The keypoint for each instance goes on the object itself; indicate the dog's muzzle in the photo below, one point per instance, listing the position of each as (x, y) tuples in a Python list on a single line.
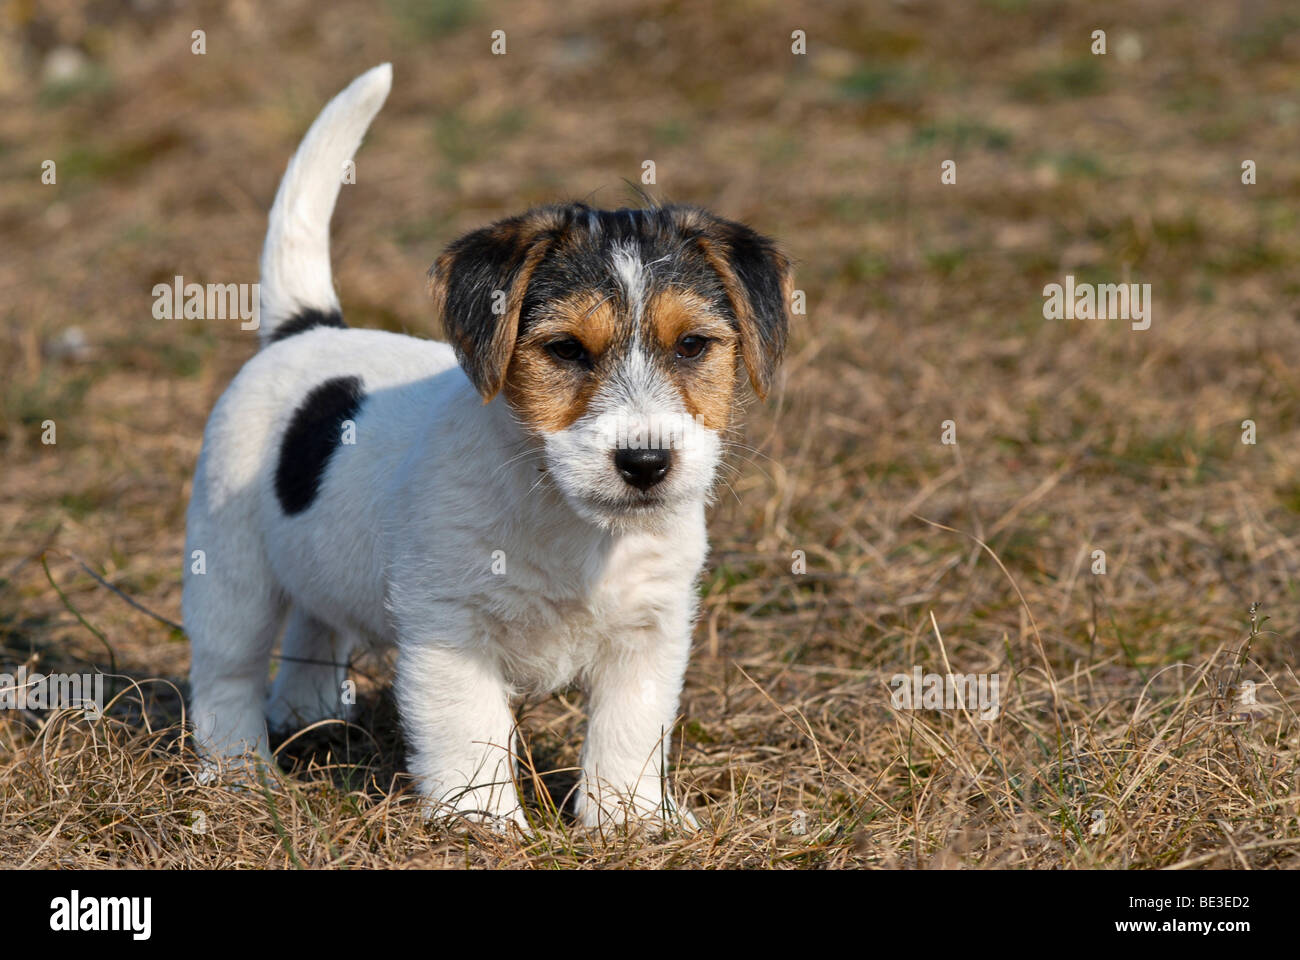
[(643, 468)]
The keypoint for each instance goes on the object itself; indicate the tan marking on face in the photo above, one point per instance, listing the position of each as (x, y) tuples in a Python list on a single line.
[(547, 394), (707, 383), (758, 366), (487, 363)]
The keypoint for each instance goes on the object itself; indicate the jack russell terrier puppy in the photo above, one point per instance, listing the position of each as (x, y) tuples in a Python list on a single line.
[(518, 510)]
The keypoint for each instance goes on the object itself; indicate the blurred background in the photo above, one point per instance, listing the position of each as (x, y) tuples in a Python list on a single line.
[(924, 304)]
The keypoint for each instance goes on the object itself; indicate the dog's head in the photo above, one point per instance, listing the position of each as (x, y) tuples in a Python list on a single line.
[(620, 339)]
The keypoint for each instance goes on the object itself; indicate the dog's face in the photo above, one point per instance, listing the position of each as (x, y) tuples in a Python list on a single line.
[(619, 339)]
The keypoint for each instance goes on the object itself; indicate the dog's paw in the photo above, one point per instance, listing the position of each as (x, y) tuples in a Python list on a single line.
[(465, 820), (654, 814), (496, 808), (247, 772), (684, 819)]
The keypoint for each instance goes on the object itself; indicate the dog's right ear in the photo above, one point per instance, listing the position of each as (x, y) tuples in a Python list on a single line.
[(478, 287)]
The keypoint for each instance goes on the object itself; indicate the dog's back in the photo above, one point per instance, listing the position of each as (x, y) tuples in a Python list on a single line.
[(280, 445)]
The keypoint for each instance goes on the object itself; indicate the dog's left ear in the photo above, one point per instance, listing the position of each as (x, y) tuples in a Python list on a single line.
[(478, 287), (759, 282)]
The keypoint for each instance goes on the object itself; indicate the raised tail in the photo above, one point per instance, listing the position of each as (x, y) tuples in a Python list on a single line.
[(297, 288)]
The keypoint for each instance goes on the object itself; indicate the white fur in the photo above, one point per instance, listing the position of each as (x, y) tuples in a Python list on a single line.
[(631, 275), (400, 543), (296, 257)]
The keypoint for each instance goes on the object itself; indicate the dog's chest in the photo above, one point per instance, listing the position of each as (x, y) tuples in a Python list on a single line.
[(561, 612)]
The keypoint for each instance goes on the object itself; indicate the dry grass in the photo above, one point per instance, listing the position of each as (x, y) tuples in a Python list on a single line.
[(1122, 740)]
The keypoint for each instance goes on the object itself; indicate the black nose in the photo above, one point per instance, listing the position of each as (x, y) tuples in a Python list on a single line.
[(643, 468)]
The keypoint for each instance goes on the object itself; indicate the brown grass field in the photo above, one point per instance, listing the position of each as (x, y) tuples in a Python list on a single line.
[(1125, 738)]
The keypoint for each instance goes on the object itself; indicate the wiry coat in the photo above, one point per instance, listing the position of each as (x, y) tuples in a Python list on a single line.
[(465, 501)]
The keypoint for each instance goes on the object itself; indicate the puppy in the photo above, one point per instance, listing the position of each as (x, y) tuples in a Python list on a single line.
[(518, 510)]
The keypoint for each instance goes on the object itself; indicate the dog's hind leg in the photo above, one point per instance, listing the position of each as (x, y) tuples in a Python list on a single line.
[(233, 609), (313, 668)]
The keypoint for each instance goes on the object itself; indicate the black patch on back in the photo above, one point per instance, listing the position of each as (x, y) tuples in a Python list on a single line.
[(315, 430), (306, 319)]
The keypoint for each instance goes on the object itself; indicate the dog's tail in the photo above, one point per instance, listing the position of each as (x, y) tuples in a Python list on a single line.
[(297, 289)]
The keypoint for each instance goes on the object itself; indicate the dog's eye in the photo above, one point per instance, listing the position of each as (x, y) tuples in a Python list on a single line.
[(688, 348), (568, 350)]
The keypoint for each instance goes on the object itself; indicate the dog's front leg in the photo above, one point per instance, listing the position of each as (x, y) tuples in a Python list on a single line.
[(460, 734), (633, 697)]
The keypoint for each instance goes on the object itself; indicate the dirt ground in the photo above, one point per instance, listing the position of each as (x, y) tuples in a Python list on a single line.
[(850, 542)]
